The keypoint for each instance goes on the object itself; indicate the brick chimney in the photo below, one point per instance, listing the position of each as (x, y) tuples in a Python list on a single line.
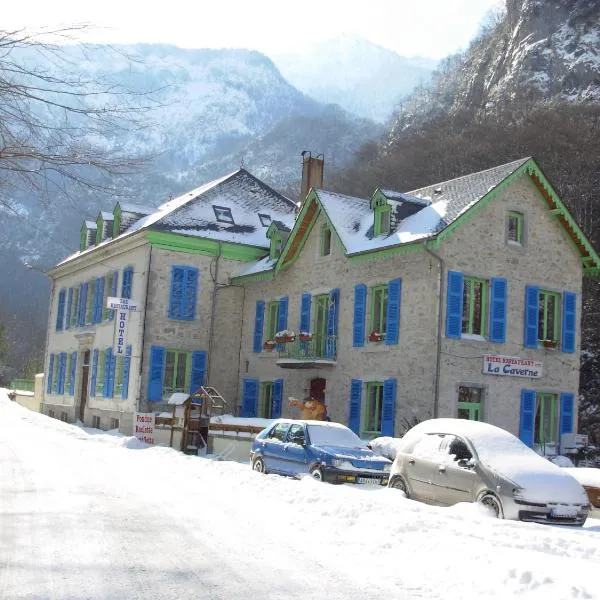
[(312, 172)]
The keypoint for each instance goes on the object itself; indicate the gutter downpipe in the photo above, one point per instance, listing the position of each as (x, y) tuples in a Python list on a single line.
[(436, 398), (138, 401), (212, 312)]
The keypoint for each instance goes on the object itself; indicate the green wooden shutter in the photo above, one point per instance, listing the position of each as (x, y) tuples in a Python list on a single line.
[(114, 284)]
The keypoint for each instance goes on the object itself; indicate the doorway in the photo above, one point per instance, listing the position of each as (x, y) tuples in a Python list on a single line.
[(320, 325), (317, 389), (83, 394)]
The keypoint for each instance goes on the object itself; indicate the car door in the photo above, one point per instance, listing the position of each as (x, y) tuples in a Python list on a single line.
[(419, 466), (273, 448), (455, 480), (295, 455)]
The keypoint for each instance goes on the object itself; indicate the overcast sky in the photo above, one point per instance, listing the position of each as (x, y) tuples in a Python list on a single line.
[(433, 28)]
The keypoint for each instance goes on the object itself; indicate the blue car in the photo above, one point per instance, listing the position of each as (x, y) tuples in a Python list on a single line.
[(327, 451)]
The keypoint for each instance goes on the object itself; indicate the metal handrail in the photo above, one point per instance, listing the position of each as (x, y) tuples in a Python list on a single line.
[(318, 348)]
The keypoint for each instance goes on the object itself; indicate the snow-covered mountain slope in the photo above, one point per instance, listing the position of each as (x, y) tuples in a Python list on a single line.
[(360, 76)]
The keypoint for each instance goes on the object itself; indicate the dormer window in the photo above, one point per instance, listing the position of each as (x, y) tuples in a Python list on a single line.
[(382, 212), (223, 214), (382, 217), (514, 227), (277, 234), (325, 241), (265, 220)]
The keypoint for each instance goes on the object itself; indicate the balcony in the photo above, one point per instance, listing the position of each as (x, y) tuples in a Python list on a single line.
[(320, 351)]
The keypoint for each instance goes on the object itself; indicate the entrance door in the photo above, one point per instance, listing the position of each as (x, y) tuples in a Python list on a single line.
[(317, 388), (320, 328), (83, 394)]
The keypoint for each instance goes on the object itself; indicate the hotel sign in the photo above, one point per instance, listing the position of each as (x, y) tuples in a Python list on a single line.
[(512, 366)]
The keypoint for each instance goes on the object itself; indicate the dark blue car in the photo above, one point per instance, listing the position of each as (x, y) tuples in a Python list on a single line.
[(328, 451)]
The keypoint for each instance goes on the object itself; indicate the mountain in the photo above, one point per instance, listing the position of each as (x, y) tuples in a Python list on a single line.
[(360, 76)]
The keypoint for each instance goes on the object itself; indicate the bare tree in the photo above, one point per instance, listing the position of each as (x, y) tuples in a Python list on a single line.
[(55, 120)]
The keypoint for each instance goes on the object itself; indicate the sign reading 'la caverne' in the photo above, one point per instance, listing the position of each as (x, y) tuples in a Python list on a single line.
[(512, 366)]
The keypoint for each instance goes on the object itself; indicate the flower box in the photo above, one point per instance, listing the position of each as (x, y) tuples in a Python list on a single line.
[(305, 336), (375, 336), (283, 337), (269, 345), (549, 343)]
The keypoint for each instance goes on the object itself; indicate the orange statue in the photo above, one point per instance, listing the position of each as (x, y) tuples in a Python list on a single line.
[(310, 408)]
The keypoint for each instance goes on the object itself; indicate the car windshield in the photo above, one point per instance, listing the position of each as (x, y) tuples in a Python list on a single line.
[(323, 435)]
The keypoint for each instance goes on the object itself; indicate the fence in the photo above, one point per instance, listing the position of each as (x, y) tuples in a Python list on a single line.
[(25, 385)]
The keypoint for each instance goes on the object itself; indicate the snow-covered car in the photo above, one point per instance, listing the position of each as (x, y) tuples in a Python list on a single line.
[(327, 451), (446, 461), (589, 478)]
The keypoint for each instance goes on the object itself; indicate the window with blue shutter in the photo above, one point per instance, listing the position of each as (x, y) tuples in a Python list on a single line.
[(114, 283), (360, 307), (126, 369), (50, 372), (526, 424), (332, 323), (62, 370), (69, 308), (567, 412), (127, 284), (569, 322), (94, 373), (282, 314), (305, 306), (83, 290), (388, 413), (454, 304), (498, 310), (258, 325), (392, 330), (355, 400), (109, 373), (249, 397), (198, 370), (184, 288), (98, 300), (156, 373), (73, 372), (60, 313), (530, 330), (277, 399)]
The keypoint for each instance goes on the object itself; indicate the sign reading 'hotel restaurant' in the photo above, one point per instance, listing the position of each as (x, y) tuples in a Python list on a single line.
[(512, 366)]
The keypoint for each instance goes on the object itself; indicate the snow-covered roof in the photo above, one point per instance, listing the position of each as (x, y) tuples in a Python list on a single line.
[(90, 224), (177, 398), (137, 209), (264, 264), (107, 216)]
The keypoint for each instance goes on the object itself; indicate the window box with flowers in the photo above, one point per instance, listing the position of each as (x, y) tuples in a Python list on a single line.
[(375, 336), (269, 345), (550, 343), (285, 336), (305, 336)]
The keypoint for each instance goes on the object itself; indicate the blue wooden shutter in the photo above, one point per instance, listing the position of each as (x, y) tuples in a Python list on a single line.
[(498, 310), (62, 371), (360, 307), (113, 292), (83, 290), (454, 304), (567, 412), (250, 397), (332, 323), (60, 313), (73, 372), (190, 293), (277, 399), (98, 308), (69, 308), (126, 287), (526, 425), (392, 327), (198, 370), (258, 325), (156, 373), (94, 373), (176, 293), (109, 373), (532, 301), (569, 322), (305, 305), (282, 314), (126, 369), (355, 399), (388, 413), (50, 372)]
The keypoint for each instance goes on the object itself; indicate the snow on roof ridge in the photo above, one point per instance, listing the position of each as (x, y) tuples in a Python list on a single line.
[(441, 183)]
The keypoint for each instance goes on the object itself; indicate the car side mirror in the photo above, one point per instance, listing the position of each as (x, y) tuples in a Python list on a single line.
[(466, 463)]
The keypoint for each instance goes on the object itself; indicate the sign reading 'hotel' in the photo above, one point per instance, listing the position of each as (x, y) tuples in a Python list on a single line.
[(512, 366)]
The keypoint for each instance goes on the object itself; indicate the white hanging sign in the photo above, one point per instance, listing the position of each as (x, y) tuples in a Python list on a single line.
[(120, 340), (121, 304), (512, 366)]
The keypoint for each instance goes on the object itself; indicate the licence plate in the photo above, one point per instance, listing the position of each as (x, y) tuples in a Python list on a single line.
[(564, 511), (368, 480)]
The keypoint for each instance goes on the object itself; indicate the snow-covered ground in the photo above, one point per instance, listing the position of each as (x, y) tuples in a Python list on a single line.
[(91, 515)]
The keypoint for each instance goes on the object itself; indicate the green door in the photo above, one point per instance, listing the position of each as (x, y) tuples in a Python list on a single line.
[(320, 328)]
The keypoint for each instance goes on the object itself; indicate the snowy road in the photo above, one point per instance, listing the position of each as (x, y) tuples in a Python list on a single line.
[(88, 515)]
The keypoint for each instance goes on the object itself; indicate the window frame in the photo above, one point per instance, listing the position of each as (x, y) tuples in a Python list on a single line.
[(474, 409), (75, 308), (544, 295), (265, 400), (539, 416), (520, 227), (380, 327), (272, 318), (223, 214), (367, 421), (468, 296), (100, 373), (171, 389), (325, 245)]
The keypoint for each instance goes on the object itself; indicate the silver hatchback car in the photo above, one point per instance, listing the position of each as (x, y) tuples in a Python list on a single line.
[(446, 461)]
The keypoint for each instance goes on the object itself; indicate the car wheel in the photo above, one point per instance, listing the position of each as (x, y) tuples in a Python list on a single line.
[(398, 483), (316, 473), (492, 504), (258, 465)]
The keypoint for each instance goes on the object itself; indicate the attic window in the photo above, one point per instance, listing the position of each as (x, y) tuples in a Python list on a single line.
[(223, 214), (265, 220)]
